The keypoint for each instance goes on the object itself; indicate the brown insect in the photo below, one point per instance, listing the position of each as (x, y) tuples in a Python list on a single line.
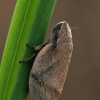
[(50, 67)]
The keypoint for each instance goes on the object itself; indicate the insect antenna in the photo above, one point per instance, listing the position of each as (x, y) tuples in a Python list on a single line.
[(75, 28)]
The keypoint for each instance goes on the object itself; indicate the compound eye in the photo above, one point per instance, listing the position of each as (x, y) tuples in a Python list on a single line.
[(58, 32)]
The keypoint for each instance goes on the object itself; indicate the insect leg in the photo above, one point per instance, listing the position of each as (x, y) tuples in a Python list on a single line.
[(28, 59), (37, 48), (32, 47)]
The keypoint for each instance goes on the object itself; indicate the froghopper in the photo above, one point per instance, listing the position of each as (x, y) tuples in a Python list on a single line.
[(48, 74)]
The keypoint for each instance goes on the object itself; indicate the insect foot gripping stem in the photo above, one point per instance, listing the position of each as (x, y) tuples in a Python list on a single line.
[(48, 73), (31, 58), (36, 48), (28, 59)]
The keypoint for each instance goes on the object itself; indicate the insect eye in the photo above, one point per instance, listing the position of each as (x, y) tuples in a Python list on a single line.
[(58, 32), (67, 41)]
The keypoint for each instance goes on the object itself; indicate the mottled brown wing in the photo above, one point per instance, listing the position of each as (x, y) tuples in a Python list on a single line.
[(48, 74)]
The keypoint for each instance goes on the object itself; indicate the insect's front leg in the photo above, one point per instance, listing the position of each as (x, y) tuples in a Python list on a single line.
[(36, 48), (28, 59), (30, 46)]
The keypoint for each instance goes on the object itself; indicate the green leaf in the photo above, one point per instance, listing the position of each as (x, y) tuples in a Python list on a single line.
[(29, 25)]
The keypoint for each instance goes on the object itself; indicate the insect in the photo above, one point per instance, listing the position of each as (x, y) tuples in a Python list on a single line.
[(50, 67)]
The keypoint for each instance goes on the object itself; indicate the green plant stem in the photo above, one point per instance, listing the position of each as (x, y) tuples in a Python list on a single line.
[(29, 25)]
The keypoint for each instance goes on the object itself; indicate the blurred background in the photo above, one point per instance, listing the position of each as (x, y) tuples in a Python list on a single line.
[(83, 78)]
